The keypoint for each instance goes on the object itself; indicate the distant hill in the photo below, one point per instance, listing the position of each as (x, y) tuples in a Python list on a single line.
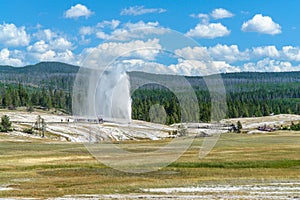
[(50, 84), (44, 74), (61, 75), (42, 67), (242, 81)]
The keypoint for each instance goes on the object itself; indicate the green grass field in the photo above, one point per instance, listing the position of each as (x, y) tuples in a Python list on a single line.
[(41, 169)]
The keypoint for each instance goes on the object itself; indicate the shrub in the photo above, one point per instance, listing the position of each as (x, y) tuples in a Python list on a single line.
[(28, 130), (295, 127), (30, 109)]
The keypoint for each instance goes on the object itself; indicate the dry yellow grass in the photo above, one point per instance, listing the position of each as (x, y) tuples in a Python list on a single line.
[(40, 168)]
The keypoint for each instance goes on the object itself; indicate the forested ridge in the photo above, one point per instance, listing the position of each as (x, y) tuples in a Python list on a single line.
[(247, 94), (49, 85), (46, 84), (45, 74)]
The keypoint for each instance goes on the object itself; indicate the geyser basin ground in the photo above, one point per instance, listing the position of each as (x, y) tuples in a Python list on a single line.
[(68, 128), (61, 127)]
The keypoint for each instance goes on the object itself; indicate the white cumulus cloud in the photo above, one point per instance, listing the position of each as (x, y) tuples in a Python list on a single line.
[(221, 13), (291, 53), (50, 46), (113, 24), (209, 31), (266, 51), (228, 53), (89, 30), (51, 55), (86, 30), (183, 67), (261, 24), (141, 10), (195, 53), (145, 66), (217, 53), (269, 65), (77, 11), (116, 31), (6, 58), (45, 34), (102, 35), (10, 35), (204, 17), (201, 68), (60, 44), (106, 53), (137, 30), (39, 46)]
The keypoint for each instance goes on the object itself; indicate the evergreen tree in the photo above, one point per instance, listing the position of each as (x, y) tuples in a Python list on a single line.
[(7, 100), (5, 125), (239, 126)]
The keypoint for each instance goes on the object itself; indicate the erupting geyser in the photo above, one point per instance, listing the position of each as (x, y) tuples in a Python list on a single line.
[(113, 101)]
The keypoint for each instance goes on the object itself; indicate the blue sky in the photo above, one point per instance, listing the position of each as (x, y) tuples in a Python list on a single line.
[(249, 35)]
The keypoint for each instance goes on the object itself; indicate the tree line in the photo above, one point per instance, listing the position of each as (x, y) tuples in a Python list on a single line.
[(262, 101), (17, 95), (272, 100)]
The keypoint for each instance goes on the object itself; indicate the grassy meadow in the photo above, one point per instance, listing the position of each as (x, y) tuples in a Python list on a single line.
[(41, 168)]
